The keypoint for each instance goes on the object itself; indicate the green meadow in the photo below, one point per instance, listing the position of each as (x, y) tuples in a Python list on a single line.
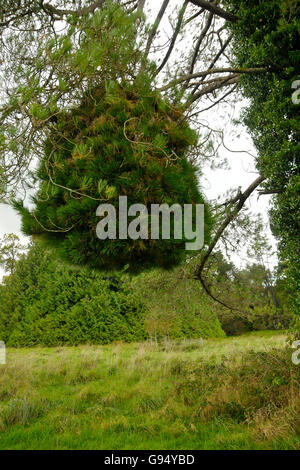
[(229, 393)]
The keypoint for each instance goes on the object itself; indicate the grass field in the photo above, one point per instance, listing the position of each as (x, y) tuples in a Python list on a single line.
[(233, 393)]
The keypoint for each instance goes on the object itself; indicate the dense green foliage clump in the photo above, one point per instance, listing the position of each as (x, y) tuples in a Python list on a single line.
[(44, 302), (121, 141), (267, 34)]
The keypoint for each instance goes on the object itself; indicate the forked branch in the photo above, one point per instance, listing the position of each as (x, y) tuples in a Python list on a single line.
[(240, 201)]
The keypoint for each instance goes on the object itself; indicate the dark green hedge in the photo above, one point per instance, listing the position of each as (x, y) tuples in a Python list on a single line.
[(48, 303)]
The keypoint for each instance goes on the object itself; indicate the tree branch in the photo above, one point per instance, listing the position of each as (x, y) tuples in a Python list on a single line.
[(218, 101), (173, 41), (141, 5), (215, 9), (216, 85), (199, 42), (155, 27), (216, 58), (240, 201), (212, 72), (83, 11), (263, 192), (34, 7)]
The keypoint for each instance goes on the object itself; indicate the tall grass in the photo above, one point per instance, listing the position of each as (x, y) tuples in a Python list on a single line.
[(232, 393)]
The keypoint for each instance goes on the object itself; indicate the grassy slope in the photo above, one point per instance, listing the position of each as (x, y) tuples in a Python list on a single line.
[(233, 393)]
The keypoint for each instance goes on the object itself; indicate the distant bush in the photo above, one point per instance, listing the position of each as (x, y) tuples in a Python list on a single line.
[(267, 318)]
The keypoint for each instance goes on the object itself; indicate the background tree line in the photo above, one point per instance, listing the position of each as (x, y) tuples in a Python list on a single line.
[(44, 301)]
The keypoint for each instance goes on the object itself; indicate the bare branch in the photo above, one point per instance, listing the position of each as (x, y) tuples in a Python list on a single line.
[(215, 9), (216, 58), (271, 191), (212, 72), (83, 11), (222, 99), (219, 83), (175, 35), (194, 16), (240, 201), (155, 27), (199, 42)]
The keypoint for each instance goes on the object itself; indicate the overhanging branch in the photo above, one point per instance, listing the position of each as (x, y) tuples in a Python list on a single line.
[(213, 71), (82, 11), (240, 201), (215, 9)]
